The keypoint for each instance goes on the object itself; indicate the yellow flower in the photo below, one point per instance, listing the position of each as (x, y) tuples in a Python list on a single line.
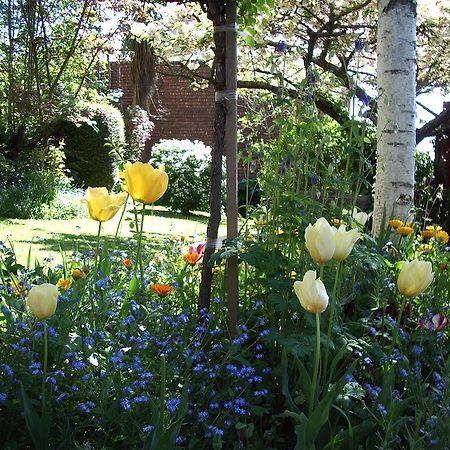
[(414, 277), (64, 283), (360, 217), (442, 236), (337, 221), (18, 287), (425, 248), (161, 289), (279, 231), (405, 230), (311, 293), (144, 183), (103, 206), (344, 242), (42, 300), (396, 223), (320, 241)]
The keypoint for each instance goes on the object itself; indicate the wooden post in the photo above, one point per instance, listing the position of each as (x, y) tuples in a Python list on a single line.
[(230, 150)]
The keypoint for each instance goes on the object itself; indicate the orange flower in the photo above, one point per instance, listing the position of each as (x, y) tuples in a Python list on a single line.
[(78, 274), (195, 253), (64, 283), (405, 230), (192, 258), (161, 289), (427, 233), (442, 236), (128, 263), (396, 223)]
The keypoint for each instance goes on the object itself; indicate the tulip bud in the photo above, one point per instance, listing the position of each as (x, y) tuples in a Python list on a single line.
[(415, 277), (144, 183), (42, 300), (102, 205), (311, 293), (320, 241), (344, 242)]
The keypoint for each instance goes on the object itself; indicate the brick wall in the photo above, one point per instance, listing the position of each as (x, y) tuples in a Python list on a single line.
[(178, 110)]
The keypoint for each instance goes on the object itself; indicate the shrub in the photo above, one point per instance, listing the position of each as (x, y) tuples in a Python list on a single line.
[(23, 196), (187, 164), (91, 134)]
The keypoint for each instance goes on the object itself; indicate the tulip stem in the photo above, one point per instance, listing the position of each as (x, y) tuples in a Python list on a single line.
[(44, 372), (316, 366), (399, 318), (331, 318), (138, 255), (97, 250), (120, 220)]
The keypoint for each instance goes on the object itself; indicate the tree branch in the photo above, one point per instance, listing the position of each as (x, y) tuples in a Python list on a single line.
[(429, 129)]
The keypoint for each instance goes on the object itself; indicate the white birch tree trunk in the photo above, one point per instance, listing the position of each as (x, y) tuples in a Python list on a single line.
[(396, 127)]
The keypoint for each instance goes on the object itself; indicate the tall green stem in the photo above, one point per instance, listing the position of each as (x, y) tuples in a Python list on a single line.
[(399, 318), (163, 388), (331, 318), (44, 372), (316, 366), (97, 249), (120, 220), (138, 255)]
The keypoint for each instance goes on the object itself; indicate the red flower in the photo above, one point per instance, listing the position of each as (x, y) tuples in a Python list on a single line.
[(438, 322)]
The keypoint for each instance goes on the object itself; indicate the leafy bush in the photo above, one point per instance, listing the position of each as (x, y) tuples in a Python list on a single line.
[(186, 163), (90, 134), (24, 196)]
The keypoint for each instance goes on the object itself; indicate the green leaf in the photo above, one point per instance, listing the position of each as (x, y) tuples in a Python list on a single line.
[(37, 426), (321, 413), (285, 383)]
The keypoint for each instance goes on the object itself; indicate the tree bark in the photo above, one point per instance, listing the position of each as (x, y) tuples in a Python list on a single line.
[(396, 132), (216, 13)]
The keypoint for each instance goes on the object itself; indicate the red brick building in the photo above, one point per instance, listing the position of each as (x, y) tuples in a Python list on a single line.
[(179, 111)]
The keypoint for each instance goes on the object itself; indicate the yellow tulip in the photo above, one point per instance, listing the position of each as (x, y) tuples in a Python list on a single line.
[(360, 217), (344, 242), (415, 277), (144, 183), (320, 241), (103, 206), (311, 293), (42, 300)]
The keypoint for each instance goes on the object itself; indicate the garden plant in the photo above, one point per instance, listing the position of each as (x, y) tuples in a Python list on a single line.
[(342, 337)]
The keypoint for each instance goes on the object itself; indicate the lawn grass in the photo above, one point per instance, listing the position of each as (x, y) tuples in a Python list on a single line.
[(47, 238)]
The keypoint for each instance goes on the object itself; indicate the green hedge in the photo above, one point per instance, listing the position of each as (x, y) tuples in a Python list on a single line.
[(92, 134)]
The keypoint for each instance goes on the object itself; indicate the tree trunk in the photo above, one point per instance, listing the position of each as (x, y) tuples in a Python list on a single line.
[(216, 13), (396, 72)]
